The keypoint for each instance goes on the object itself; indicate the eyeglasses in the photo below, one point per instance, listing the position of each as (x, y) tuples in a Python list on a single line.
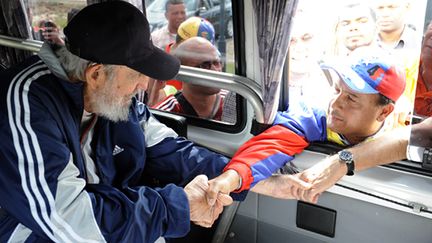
[(208, 64)]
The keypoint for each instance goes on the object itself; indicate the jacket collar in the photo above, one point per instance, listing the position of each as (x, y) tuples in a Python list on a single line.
[(73, 89)]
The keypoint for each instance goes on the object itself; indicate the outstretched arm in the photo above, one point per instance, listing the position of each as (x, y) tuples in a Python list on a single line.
[(278, 186), (385, 149), (309, 184), (264, 154)]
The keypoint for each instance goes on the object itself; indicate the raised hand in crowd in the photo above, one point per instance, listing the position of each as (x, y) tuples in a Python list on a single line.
[(50, 32)]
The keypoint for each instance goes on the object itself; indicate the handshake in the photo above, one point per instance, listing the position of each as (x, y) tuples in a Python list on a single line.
[(207, 198), (204, 208)]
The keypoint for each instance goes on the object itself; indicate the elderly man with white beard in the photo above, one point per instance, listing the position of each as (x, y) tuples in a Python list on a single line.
[(82, 159)]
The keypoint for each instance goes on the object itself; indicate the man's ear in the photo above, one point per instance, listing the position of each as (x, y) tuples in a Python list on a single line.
[(385, 111), (94, 74)]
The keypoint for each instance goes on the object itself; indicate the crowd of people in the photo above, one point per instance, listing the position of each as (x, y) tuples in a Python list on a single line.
[(381, 29), (86, 161)]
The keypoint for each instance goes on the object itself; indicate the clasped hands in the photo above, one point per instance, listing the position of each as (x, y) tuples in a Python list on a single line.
[(305, 186), (203, 210), (207, 198)]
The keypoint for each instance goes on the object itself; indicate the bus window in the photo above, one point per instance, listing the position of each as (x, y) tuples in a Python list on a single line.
[(48, 18), (209, 19), (172, 23)]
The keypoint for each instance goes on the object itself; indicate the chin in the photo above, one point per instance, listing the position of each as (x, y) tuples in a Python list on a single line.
[(338, 128), (115, 112), (116, 117)]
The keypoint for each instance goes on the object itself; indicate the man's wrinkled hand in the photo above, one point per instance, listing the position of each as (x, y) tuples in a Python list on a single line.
[(222, 185), (201, 212), (282, 186), (322, 176)]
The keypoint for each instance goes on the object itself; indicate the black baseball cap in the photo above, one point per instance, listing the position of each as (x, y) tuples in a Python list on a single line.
[(118, 33)]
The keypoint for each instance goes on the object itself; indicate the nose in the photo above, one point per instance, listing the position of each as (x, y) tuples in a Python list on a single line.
[(354, 27), (337, 101)]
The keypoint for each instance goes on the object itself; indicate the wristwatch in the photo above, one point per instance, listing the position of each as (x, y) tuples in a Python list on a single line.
[(346, 157)]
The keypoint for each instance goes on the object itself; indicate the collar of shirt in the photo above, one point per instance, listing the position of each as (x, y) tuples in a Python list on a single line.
[(341, 139), (408, 39)]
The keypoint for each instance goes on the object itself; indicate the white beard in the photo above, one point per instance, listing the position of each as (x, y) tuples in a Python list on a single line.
[(110, 106)]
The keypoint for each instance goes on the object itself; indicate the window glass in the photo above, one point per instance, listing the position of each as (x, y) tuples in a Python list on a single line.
[(337, 45), (203, 18), (421, 137), (200, 34), (48, 18)]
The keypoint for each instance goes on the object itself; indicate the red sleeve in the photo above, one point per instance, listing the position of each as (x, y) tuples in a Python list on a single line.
[(267, 152)]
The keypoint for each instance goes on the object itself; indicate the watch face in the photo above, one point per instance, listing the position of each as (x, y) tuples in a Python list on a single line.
[(345, 156)]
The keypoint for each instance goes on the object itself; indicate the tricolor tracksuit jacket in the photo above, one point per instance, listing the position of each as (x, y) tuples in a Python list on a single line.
[(291, 133)]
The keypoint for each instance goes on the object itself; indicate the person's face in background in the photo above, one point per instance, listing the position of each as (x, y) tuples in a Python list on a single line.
[(205, 57), (390, 14), (175, 14), (356, 27), (302, 51)]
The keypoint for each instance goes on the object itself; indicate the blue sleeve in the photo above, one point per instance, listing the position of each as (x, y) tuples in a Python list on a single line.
[(173, 159), (140, 214), (265, 153), (178, 160), (305, 121)]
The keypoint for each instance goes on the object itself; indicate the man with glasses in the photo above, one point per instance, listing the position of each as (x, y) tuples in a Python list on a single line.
[(194, 26), (196, 100)]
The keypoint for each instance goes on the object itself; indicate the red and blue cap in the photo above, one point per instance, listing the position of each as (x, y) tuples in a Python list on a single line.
[(371, 75)]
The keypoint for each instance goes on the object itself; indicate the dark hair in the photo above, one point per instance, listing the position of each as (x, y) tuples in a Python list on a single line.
[(383, 100), (172, 2)]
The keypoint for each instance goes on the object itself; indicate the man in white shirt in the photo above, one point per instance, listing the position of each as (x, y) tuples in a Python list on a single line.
[(175, 13), (393, 31)]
